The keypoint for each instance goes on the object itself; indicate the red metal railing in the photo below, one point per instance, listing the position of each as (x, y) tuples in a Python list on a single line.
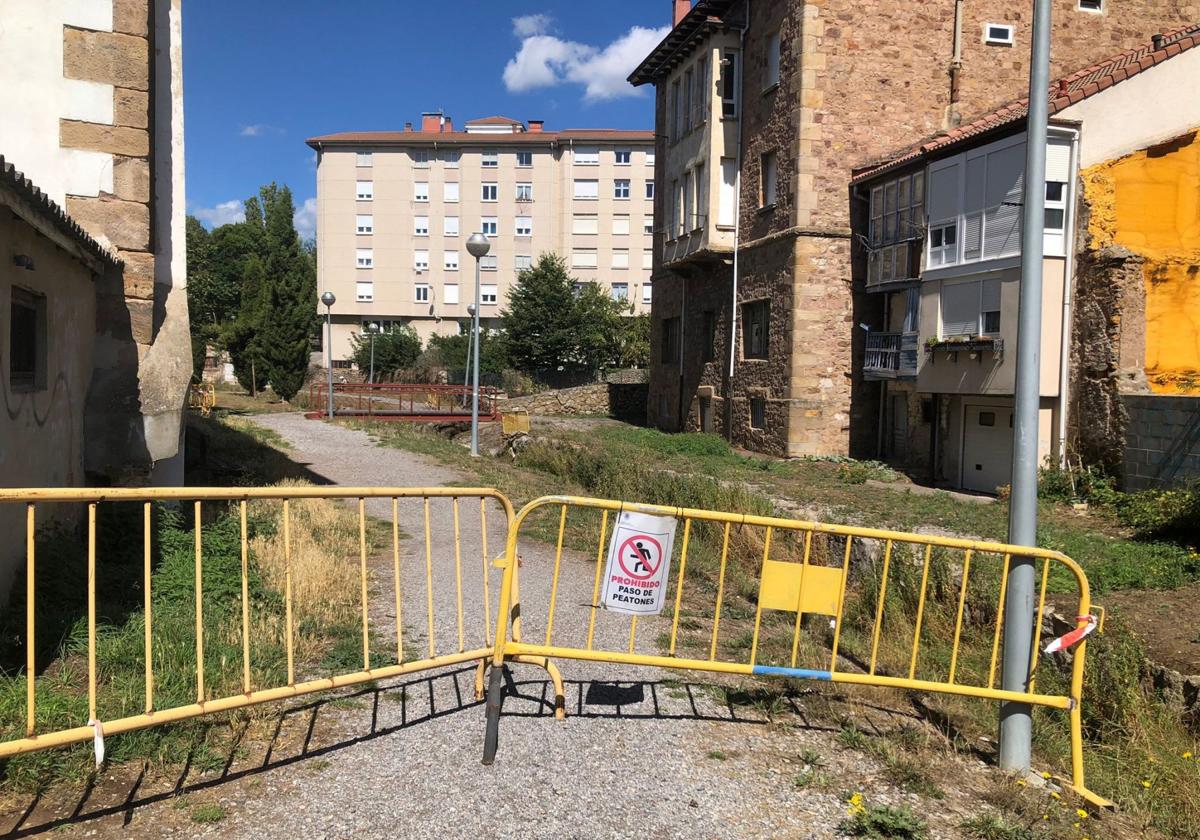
[(400, 401)]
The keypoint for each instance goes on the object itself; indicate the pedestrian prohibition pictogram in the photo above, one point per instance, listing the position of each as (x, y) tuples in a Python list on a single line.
[(639, 561)]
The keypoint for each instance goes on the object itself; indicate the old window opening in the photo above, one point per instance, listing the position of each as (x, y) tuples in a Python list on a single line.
[(27, 341), (756, 329)]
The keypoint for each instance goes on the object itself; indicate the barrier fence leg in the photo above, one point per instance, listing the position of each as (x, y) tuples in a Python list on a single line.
[(495, 700)]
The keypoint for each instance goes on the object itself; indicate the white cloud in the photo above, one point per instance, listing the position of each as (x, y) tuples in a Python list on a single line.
[(545, 61), (225, 213), (259, 130), (529, 25), (306, 219)]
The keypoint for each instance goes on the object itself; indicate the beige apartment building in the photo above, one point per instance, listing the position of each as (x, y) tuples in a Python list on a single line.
[(395, 208)]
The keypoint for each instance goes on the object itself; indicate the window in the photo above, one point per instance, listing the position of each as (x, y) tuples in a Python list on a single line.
[(756, 318), (27, 341), (451, 159), (685, 203), (687, 101), (587, 190), (450, 226), (489, 225), (650, 157), (450, 192), (363, 159), (487, 295), (621, 188), (620, 291), (420, 158), (524, 159), (897, 210), (648, 225), (364, 224), (943, 244), (670, 340), (700, 104), (676, 199), (490, 192), (623, 157), (420, 225), (587, 156), (421, 293), (727, 197), (450, 294), (584, 225), (1091, 5), (620, 226), (1056, 206), (583, 258), (524, 226), (709, 325), (421, 260), (488, 263), (524, 191), (620, 258), (767, 171), (970, 308), (699, 191), (998, 34), (523, 262), (758, 412), (647, 258), (364, 291), (450, 260), (647, 292), (364, 258), (420, 191), (772, 79), (364, 190), (650, 189), (490, 159), (729, 87), (676, 112)]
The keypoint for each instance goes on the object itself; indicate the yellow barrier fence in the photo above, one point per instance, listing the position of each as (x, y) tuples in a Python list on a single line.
[(202, 396), (848, 605), (407, 578)]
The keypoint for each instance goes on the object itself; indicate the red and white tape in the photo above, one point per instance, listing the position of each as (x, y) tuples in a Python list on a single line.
[(98, 739), (1087, 626)]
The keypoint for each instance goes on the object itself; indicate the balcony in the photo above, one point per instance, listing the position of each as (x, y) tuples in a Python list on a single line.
[(890, 356)]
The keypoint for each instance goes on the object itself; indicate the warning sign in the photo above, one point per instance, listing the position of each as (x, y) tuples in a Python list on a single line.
[(639, 563)]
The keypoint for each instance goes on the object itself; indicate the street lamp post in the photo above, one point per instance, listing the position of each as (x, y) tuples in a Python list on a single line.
[(477, 246), (372, 329), (329, 299)]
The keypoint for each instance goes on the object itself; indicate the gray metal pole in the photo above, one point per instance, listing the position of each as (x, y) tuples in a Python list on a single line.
[(371, 375), (475, 369), (1016, 721), (329, 340)]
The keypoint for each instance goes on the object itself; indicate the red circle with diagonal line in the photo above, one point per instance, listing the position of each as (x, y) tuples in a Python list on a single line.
[(640, 556)]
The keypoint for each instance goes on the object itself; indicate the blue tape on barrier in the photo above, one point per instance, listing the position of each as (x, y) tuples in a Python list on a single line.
[(798, 673)]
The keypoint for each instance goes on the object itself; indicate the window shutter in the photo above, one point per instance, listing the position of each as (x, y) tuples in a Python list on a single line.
[(972, 236), (1004, 197), (1058, 160), (990, 296), (960, 308), (943, 193)]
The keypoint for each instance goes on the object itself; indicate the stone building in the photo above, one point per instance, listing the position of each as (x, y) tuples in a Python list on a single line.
[(94, 343), (763, 108), (395, 208), (938, 279)]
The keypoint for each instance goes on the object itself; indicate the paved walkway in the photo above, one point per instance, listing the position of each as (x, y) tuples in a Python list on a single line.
[(644, 757)]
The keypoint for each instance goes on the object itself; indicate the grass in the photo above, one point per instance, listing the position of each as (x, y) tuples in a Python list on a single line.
[(1132, 737), (208, 813)]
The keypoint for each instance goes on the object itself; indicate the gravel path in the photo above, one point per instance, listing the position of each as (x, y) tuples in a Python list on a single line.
[(641, 753)]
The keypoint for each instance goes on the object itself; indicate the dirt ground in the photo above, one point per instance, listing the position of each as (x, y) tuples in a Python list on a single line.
[(1166, 621)]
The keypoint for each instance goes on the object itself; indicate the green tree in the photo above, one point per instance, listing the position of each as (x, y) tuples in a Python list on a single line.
[(395, 349), (286, 324), (242, 337), (633, 342), (451, 352)]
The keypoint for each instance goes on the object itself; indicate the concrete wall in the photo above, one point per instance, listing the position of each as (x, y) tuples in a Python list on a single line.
[(42, 431), (1162, 441)]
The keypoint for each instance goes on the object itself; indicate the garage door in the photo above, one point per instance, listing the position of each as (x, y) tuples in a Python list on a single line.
[(987, 448)]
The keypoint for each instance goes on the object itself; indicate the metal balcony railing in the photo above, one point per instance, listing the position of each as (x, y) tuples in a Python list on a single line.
[(890, 355)]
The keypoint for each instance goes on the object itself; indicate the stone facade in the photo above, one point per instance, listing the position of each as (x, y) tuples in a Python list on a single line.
[(856, 81), (622, 396)]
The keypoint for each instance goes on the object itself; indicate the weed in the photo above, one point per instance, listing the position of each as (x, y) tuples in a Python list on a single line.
[(811, 757), (851, 738), (717, 755), (208, 813), (993, 827), (881, 822), (318, 764)]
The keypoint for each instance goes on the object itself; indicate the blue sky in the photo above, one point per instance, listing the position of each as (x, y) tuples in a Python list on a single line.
[(261, 76)]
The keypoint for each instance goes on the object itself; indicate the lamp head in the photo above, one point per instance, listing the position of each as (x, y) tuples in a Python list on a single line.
[(328, 298), (478, 245)]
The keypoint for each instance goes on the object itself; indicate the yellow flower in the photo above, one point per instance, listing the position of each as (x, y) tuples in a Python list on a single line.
[(1146, 784), (1020, 783), (1045, 775), (1082, 814), (1054, 795), (1187, 754), (1076, 825)]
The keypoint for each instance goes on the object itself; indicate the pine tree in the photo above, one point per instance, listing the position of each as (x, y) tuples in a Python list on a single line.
[(284, 337), (539, 322)]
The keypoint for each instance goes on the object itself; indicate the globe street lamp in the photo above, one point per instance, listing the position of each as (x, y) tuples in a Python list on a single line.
[(329, 299), (477, 246)]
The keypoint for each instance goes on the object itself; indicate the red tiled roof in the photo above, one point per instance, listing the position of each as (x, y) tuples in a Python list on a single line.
[(1062, 94), (462, 138), (497, 120)]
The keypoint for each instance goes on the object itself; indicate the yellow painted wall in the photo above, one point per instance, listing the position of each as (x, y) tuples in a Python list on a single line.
[(1149, 203)]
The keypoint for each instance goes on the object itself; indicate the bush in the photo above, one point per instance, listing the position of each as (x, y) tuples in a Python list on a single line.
[(395, 349), (1077, 484), (1163, 513), (883, 821)]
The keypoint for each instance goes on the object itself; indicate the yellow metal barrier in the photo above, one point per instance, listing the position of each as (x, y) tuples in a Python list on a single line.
[(880, 605), (469, 639), (202, 396)]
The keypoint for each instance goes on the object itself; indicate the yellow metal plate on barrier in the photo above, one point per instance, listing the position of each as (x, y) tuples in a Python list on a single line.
[(781, 590), (513, 423)]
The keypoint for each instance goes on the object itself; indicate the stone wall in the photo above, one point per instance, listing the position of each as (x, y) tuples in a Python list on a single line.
[(623, 397), (1162, 441)]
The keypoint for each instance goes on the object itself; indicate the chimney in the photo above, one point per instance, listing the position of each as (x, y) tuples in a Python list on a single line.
[(408, 126), (1157, 41), (431, 121), (449, 126), (535, 126), (680, 10)]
